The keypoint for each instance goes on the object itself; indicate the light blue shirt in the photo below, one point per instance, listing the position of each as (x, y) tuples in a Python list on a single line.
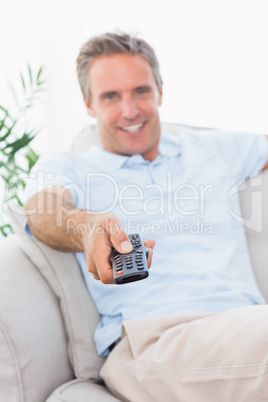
[(187, 200)]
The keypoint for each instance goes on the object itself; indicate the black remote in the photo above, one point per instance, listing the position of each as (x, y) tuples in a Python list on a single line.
[(130, 267)]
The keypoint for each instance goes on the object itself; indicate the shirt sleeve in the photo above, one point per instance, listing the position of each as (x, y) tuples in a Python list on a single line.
[(55, 169), (245, 154)]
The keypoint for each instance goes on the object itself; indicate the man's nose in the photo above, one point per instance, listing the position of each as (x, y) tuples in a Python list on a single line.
[(129, 108)]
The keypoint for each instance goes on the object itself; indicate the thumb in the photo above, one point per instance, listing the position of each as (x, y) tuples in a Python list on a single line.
[(122, 243), (118, 237)]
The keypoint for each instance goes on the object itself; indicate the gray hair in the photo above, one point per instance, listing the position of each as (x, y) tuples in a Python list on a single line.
[(109, 44)]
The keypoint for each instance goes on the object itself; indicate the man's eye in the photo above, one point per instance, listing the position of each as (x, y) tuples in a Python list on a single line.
[(143, 90), (109, 96)]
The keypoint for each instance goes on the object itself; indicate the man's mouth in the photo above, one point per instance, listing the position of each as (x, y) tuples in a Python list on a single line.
[(134, 128)]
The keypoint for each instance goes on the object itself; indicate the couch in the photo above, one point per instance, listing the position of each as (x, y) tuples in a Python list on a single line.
[(47, 317)]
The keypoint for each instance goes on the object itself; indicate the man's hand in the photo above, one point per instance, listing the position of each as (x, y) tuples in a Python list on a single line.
[(62, 226), (106, 232)]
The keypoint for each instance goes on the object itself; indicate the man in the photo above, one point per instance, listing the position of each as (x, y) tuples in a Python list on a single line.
[(189, 330)]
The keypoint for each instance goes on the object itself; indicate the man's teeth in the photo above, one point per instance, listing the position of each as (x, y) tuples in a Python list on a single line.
[(133, 129)]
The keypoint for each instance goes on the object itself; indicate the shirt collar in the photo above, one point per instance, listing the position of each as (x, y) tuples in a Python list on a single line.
[(169, 146)]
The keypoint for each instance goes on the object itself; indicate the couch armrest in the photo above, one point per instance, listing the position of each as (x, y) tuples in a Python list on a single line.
[(254, 205), (33, 357)]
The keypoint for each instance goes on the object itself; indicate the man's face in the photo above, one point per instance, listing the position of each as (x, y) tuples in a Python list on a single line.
[(125, 100)]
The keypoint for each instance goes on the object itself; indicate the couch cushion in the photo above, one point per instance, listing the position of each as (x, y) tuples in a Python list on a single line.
[(64, 276), (82, 391), (33, 347)]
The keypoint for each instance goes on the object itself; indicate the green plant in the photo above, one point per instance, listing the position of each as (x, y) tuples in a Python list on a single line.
[(16, 156)]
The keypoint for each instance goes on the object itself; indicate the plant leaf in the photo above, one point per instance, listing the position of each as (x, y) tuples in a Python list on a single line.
[(15, 139), (9, 131), (19, 144), (32, 158), (30, 74), (3, 229), (39, 74), (23, 82), (16, 198), (3, 120), (5, 110)]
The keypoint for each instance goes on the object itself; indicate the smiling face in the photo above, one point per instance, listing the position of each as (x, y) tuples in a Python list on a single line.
[(125, 100)]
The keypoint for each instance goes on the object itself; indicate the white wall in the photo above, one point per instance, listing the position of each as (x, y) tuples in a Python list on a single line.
[(213, 55)]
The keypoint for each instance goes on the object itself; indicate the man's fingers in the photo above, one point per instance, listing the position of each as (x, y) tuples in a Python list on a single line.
[(91, 266), (150, 256), (98, 259), (108, 233), (150, 245), (103, 266)]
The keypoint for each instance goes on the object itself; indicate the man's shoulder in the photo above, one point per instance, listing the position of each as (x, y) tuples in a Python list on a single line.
[(67, 158)]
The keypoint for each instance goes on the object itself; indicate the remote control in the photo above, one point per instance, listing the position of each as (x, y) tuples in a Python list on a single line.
[(130, 267)]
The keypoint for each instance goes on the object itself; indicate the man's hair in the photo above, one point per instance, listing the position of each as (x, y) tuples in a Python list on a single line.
[(109, 44)]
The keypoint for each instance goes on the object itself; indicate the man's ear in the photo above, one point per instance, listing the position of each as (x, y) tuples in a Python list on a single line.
[(89, 107)]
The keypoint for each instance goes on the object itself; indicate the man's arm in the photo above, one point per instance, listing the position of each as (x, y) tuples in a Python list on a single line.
[(55, 221)]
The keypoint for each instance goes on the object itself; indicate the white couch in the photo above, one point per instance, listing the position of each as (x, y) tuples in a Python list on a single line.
[(47, 317)]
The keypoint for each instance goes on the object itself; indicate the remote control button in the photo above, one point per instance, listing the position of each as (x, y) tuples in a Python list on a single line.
[(140, 268), (119, 273)]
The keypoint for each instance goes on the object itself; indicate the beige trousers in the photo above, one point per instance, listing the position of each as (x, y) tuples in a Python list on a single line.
[(219, 357)]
